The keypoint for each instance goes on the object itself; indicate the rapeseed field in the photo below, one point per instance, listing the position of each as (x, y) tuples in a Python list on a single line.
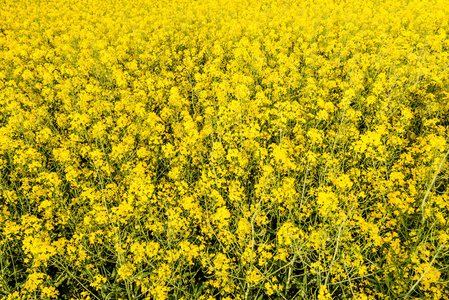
[(224, 149)]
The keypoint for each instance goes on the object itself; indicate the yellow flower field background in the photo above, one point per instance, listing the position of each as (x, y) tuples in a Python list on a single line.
[(223, 149)]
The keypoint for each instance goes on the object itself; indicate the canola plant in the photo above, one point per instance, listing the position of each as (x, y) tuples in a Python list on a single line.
[(223, 149)]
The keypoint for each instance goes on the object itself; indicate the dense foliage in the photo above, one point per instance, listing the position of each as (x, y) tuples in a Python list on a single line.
[(223, 149)]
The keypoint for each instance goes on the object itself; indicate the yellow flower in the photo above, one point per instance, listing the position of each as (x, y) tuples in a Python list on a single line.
[(34, 281), (287, 234), (327, 202), (98, 281), (254, 277), (126, 271), (324, 294)]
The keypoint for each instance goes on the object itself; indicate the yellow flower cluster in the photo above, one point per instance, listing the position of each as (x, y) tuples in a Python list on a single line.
[(224, 149)]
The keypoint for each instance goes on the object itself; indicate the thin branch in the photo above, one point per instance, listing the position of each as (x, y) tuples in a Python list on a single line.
[(431, 185), (336, 247), (425, 272)]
